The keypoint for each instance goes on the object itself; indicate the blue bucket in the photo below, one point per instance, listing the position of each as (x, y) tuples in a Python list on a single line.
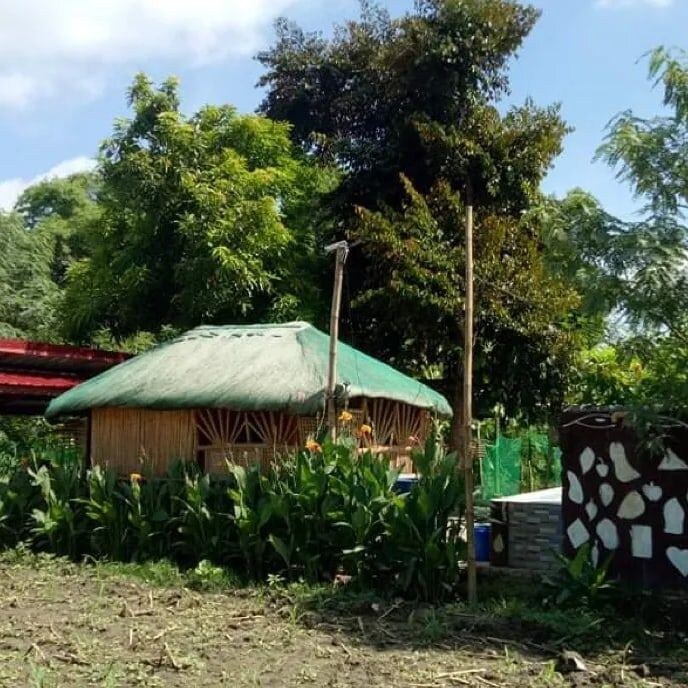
[(405, 482), (482, 541)]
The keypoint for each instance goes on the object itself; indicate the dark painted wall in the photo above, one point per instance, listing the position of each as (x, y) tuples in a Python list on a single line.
[(624, 499)]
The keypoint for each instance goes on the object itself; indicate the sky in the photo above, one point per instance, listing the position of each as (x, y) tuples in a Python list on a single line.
[(65, 67)]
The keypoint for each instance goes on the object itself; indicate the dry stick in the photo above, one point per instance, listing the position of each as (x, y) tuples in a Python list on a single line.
[(396, 605), (462, 672), (488, 683), (36, 649), (71, 658), (175, 665)]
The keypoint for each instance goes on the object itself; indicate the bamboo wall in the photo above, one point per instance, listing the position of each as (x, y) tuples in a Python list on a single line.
[(132, 440)]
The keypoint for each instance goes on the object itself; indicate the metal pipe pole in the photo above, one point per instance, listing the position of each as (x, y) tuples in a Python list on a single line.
[(342, 249)]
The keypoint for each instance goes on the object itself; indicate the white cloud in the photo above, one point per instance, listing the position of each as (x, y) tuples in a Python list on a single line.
[(49, 46), (11, 189), (16, 90), (634, 3)]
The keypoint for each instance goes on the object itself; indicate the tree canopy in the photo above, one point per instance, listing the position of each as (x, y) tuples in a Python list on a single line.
[(206, 218), (406, 108), (638, 270)]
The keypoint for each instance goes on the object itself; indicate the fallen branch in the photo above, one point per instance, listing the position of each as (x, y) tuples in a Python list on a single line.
[(175, 664), (71, 658)]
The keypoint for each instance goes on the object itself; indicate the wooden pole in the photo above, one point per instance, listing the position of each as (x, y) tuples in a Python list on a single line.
[(342, 253), (467, 408)]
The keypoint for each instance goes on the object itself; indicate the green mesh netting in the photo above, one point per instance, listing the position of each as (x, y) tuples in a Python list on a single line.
[(519, 464)]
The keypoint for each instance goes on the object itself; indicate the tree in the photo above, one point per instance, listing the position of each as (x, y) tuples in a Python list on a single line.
[(28, 295), (638, 270), (406, 108), (63, 211), (206, 218)]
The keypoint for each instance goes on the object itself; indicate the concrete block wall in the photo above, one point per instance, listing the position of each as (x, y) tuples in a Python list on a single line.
[(535, 535)]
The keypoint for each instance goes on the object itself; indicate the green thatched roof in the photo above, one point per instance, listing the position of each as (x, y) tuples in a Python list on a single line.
[(247, 367)]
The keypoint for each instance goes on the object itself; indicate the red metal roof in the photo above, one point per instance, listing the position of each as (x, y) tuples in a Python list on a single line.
[(33, 373), (18, 383)]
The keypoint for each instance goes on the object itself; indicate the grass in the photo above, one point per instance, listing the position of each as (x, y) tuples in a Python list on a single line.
[(108, 624)]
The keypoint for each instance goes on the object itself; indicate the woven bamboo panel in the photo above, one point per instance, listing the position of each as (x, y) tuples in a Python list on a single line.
[(72, 434), (141, 440), (309, 427)]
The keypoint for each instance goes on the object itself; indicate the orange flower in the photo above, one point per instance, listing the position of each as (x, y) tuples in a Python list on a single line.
[(135, 477), (313, 446), (365, 429), (346, 417)]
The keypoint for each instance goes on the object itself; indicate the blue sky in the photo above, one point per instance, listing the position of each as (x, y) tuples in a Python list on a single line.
[(65, 66)]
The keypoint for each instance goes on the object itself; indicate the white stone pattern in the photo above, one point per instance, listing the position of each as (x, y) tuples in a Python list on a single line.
[(591, 509), (575, 488), (608, 534), (652, 492), (587, 459), (632, 506), (606, 494), (498, 544), (641, 542), (671, 462), (674, 516), (602, 468), (679, 558), (623, 469), (577, 533)]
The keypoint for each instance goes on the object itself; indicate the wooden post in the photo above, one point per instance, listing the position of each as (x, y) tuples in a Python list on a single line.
[(467, 408), (342, 249)]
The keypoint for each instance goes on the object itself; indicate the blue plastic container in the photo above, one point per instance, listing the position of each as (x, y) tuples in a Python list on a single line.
[(482, 541), (405, 483)]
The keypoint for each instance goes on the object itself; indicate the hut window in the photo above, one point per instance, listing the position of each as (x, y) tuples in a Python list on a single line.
[(219, 428)]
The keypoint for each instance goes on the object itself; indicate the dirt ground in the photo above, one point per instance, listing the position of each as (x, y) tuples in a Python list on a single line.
[(71, 625)]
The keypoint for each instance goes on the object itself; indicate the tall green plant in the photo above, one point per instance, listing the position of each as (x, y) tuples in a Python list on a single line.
[(58, 519), (107, 513), (202, 527), (421, 544)]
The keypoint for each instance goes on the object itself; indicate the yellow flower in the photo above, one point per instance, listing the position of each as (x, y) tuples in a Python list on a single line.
[(313, 446), (365, 429), (135, 477), (346, 417)]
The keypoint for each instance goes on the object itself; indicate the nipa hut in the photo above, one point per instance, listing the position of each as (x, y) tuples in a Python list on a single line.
[(241, 392)]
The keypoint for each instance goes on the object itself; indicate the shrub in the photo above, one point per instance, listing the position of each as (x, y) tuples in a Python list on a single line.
[(313, 515), (420, 547)]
